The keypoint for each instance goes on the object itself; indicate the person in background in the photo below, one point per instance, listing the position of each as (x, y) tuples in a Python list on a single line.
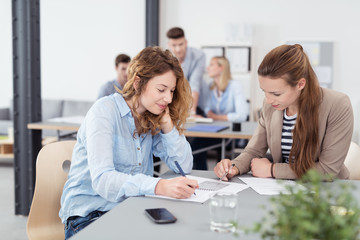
[(112, 159), (305, 126), (121, 64), (193, 63), (226, 103)]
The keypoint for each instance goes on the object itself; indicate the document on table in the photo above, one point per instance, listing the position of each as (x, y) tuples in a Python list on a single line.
[(199, 120), (268, 186), (207, 188), (207, 128)]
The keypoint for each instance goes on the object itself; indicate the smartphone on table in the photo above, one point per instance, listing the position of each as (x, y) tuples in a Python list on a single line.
[(160, 215)]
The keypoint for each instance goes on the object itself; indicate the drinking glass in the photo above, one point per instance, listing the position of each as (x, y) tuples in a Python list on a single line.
[(223, 212)]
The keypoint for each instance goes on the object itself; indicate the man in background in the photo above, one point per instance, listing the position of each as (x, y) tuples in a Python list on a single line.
[(121, 63), (193, 64)]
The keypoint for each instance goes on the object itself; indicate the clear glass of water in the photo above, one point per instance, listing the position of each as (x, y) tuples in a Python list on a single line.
[(223, 212)]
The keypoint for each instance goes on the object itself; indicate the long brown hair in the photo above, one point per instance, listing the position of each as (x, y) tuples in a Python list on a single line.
[(149, 63), (290, 63)]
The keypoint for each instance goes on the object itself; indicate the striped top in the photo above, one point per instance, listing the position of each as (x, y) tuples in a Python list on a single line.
[(286, 136)]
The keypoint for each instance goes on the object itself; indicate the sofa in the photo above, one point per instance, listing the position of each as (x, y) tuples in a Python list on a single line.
[(50, 109)]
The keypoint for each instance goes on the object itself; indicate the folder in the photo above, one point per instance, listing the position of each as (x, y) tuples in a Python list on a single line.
[(207, 128)]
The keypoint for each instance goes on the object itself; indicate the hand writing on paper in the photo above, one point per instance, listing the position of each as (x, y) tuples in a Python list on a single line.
[(225, 166), (180, 187), (261, 167)]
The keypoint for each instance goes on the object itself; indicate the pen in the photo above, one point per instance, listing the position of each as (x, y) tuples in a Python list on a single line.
[(181, 171), (226, 173)]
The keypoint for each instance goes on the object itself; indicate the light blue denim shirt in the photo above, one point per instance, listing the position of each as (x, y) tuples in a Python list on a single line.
[(232, 103), (110, 163), (193, 67)]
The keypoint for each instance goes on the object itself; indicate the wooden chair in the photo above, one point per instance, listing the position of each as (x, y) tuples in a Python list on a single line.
[(352, 161), (52, 166)]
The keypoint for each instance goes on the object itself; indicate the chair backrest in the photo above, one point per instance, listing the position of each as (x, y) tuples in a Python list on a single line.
[(352, 161), (52, 165)]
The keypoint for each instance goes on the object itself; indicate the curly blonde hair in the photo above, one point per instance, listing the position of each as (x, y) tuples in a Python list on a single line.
[(149, 63)]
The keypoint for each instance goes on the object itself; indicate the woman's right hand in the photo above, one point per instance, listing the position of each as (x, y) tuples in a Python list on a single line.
[(224, 166), (180, 187)]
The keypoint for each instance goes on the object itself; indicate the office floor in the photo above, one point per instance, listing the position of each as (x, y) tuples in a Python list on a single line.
[(13, 227)]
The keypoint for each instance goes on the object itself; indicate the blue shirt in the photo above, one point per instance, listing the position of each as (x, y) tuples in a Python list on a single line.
[(231, 102), (108, 88), (193, 67), (110, 163)]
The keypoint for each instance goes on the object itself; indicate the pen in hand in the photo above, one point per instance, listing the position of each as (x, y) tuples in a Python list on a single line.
[(181, 171), (226, 173)]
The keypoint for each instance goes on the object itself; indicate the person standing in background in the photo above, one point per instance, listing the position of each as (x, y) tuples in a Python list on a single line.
[(226, 103), (121, 64), (193, 63)]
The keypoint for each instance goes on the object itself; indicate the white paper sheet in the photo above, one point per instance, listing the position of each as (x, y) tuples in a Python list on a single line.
[(267, 186), (207, 188), (199, 120)]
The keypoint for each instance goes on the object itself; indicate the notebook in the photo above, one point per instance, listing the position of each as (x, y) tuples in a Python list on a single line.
[(207, 128)]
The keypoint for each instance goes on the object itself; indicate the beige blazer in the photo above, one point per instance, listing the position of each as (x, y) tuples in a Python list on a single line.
[(335, 132)]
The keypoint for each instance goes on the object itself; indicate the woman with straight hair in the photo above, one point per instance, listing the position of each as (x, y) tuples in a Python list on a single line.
[(304, 125), (226, 103), (113, 156)]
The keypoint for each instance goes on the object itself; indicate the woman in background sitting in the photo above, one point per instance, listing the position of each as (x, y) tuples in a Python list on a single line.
[(225, 103)]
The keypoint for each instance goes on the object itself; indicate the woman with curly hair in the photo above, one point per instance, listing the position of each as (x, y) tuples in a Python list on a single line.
[(113, 156)]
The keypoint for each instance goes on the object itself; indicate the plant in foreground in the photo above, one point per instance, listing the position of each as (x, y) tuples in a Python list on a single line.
[(314, 209)]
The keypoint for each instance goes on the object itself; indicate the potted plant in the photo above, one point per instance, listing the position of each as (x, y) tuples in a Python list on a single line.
[(315, 210)]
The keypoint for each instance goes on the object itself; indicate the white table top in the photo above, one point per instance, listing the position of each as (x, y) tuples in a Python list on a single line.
[(128, 219)]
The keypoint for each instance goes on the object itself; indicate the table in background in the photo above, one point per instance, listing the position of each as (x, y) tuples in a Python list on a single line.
[(247, 130), (128, 219)]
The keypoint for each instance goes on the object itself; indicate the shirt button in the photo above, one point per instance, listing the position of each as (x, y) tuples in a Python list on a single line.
[(138, 148), (139, 164)]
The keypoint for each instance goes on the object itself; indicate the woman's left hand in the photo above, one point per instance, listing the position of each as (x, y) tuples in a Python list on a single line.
[(261, 167), (166, 123), (211, 114)]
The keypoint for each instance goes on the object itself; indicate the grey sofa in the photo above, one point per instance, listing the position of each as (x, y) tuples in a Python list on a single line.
[(50, 109)]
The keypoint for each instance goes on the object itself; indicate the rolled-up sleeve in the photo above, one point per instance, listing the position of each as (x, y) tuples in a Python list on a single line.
[(171, 147), (108, 182)]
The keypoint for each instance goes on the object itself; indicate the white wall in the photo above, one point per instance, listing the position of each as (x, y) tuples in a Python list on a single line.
[(5, 53), (79, 42), (80, 39), (274, 23)]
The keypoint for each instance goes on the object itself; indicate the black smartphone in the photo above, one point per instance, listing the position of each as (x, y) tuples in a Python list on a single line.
[(160, 215)]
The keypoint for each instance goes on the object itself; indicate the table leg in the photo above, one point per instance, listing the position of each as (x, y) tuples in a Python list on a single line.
[(223, 148)]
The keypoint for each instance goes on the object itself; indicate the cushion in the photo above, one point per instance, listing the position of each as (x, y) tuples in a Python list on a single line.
[(51, 108), (75, 108)]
